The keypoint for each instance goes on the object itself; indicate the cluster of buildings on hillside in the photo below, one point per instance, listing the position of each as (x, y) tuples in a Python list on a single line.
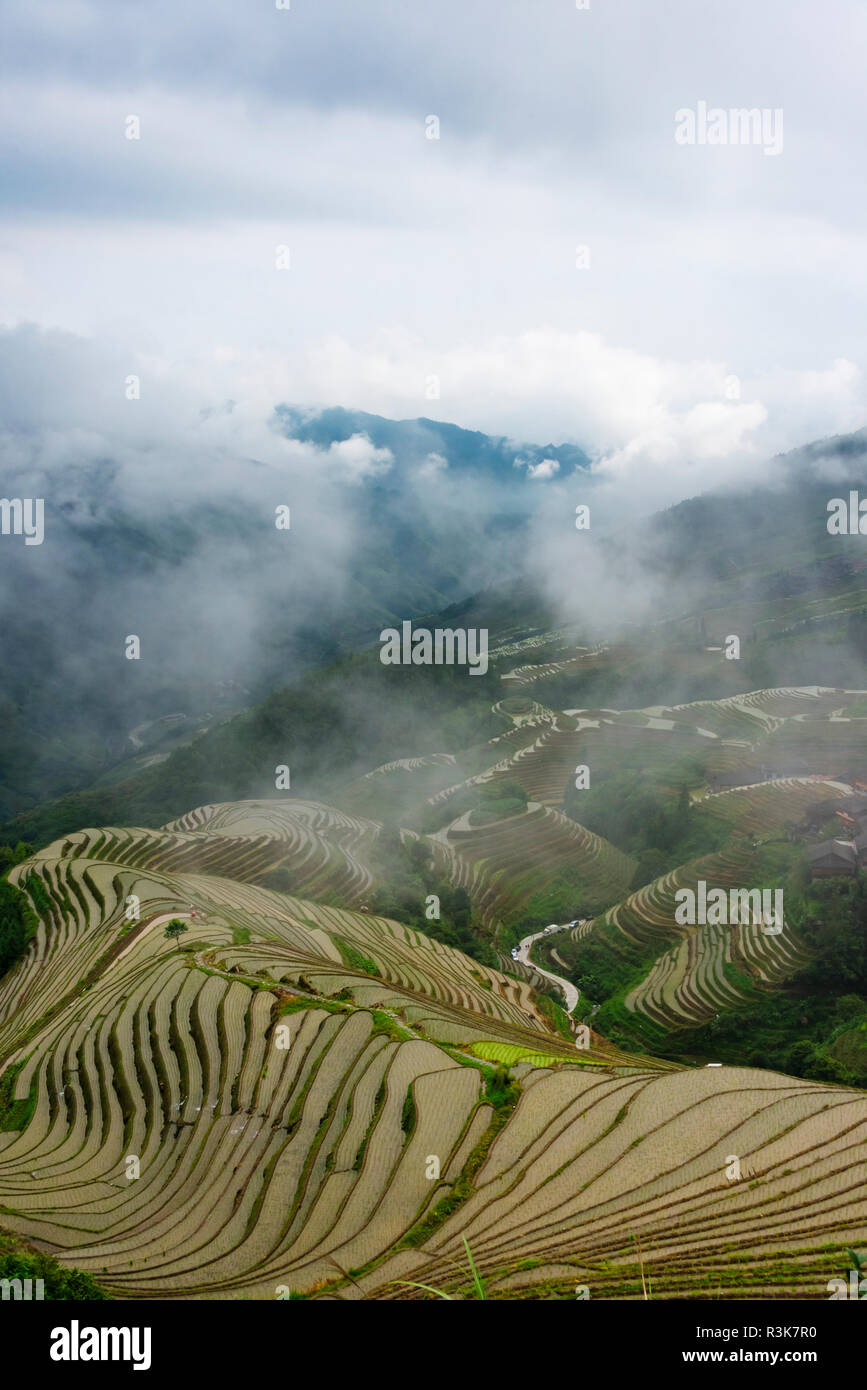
[(846, 853), (840, 856)]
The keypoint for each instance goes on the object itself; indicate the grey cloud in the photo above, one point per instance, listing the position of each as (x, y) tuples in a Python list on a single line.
[(585, 95)]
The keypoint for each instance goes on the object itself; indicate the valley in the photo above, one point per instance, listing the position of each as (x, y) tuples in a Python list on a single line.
[(307, 1037), (317, 1093)]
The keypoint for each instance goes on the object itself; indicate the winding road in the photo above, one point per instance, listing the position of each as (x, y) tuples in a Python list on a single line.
[(571, 993)]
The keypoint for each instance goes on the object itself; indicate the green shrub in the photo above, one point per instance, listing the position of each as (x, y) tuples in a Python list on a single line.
[(18, 922)]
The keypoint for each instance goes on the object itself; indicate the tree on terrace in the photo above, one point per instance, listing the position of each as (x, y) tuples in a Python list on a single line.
[(175, 930)]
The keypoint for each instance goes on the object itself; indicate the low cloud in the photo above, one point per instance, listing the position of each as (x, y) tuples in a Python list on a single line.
[(547, 468), (661, 429)]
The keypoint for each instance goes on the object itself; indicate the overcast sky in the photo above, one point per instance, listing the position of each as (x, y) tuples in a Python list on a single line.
[(412, 257)]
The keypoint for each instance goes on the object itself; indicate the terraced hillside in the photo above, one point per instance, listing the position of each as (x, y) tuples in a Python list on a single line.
[(689, 983), (307, 1099), (115, 1045), (647, 917), (502, 863), (767, 808), (701, 970), (591, 1171), (761, 729), (681, 977), (302, 1096), (321, 849)]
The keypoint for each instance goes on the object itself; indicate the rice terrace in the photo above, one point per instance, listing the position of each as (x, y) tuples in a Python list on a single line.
[(433, 679), (213, 1087)]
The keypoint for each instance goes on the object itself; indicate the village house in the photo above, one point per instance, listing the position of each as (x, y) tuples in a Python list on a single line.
[(831, 858)]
